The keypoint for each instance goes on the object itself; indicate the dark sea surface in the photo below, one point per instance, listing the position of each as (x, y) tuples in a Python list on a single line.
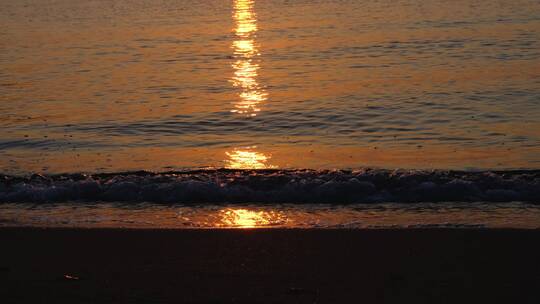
[(226, 105)]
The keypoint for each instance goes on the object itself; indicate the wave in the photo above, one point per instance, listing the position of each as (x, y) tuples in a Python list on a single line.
[(276, 186)]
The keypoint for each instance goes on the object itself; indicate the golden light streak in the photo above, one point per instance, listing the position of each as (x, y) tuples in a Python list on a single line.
[(246, 66), (247, 159)]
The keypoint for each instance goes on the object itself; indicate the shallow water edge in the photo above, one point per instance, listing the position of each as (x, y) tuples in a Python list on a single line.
[(276, 216)]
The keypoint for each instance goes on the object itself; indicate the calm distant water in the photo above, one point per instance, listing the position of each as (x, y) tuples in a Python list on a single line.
[(99, 86)]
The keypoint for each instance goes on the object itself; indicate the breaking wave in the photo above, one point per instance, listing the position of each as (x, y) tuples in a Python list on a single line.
[(276, 186)]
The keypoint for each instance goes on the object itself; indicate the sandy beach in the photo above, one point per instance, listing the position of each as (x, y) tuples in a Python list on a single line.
[(269, 266)]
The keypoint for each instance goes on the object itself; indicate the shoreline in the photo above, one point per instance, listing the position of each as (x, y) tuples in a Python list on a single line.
[(269, 265)]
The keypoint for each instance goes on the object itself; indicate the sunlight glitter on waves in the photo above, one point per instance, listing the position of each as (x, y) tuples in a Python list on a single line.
[(245, 48), (246, 67), (248, 106), (247, 159), (252, 98), (246, 22), (245, 25), (245, 74)]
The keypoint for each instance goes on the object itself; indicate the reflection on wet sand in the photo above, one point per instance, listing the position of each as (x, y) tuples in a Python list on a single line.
[(246, 66), (247, 159), (245, 218), (120, 215)]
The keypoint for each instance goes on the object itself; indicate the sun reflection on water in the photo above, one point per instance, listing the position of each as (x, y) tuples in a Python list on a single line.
[(247, 159), (245, 218), (246, 66)]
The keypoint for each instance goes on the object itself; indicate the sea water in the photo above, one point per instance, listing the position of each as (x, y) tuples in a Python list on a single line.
[(106, 87)]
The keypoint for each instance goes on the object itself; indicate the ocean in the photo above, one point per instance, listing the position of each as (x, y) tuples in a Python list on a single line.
[(270, 113)]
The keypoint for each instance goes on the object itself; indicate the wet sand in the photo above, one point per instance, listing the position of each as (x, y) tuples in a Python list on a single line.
[(269, 266)]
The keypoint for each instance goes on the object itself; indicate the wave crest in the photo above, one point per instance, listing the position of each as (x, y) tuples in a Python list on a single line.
[(276, 186)]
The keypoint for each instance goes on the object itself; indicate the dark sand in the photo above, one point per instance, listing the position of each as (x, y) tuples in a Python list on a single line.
[(269, 266)]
